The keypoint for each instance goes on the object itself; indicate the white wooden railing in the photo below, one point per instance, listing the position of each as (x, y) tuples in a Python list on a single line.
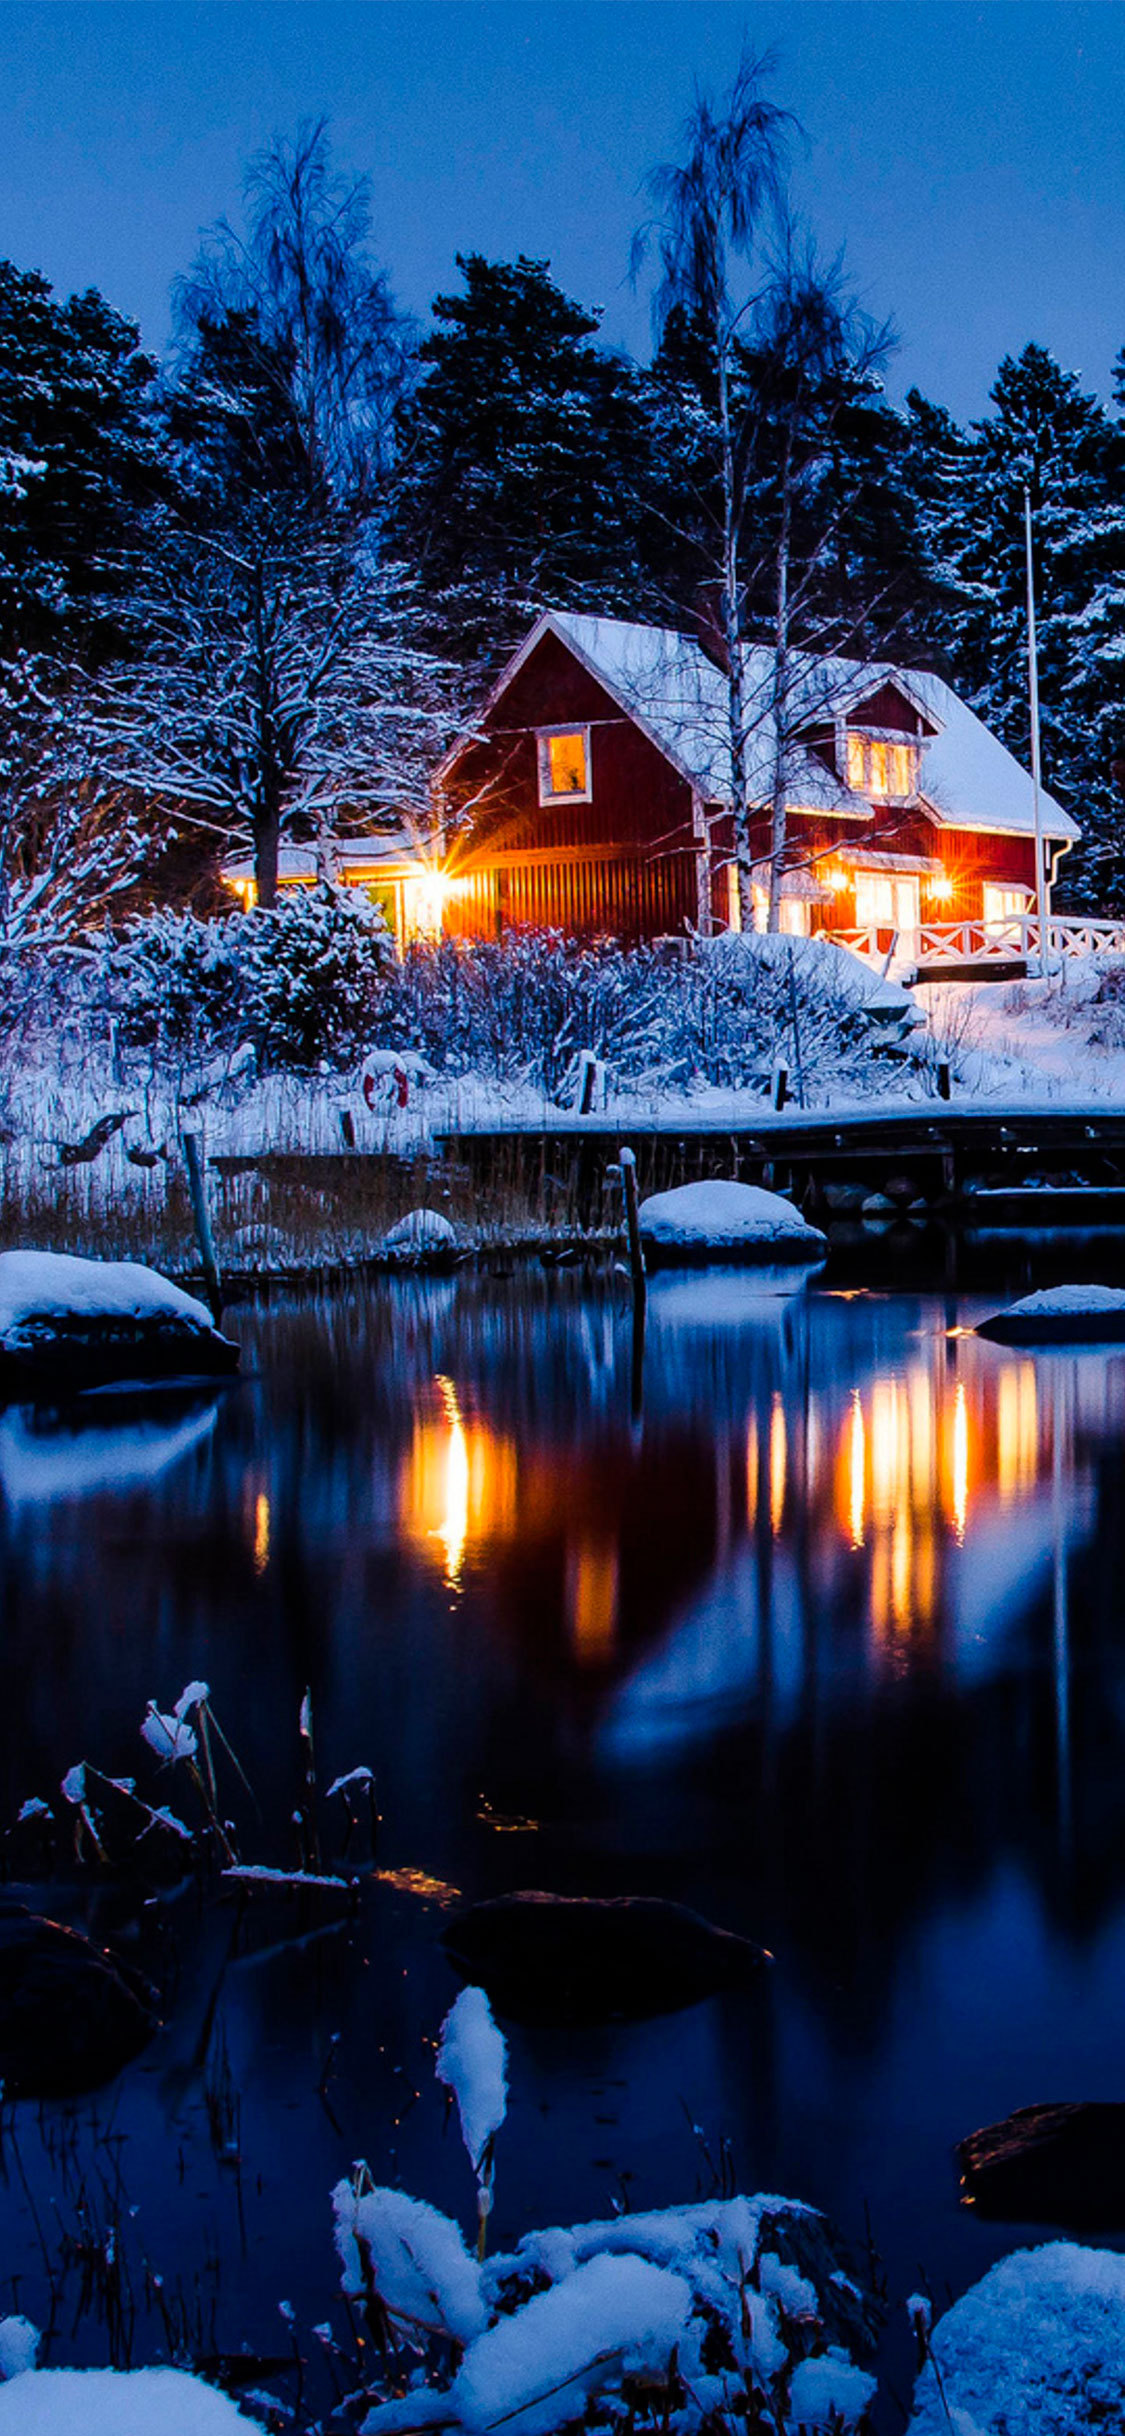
[(1006, 940)]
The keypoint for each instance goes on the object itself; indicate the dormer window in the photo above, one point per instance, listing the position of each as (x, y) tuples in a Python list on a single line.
[(564, 764), (882, 769)]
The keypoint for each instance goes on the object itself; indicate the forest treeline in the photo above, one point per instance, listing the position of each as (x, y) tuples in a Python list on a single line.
[(255, 588)]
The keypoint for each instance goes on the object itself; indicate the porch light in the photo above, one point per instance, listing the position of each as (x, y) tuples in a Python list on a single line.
[(836, 879), (426, 898), (941, 887)]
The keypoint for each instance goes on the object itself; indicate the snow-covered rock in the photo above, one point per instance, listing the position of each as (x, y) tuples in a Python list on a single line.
[(19, 2346), (116, 2402), (61, 1313), (720, 1220), (422, 1235), (1037, 2348), (1060, 1315)]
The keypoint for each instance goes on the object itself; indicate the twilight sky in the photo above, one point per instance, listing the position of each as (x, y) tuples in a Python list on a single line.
[(970, 154)]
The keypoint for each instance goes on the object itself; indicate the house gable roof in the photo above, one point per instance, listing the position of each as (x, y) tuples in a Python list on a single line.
[(678, 698)]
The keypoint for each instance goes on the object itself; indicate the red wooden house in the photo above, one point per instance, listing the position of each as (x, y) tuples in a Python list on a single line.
[(592, 799)]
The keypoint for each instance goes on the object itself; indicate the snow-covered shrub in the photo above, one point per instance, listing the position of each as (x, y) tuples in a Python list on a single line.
[(692, 2313), (525, 1007), (299, 984)]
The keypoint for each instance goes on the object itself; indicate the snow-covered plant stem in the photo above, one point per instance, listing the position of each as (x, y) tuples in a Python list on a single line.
[(472, 2060)]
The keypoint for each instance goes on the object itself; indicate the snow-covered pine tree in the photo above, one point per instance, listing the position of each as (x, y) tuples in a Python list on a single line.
[(78, 458), (522, 452), (1044, 431)]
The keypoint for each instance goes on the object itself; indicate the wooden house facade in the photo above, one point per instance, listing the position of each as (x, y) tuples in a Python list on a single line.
[(592, 798)]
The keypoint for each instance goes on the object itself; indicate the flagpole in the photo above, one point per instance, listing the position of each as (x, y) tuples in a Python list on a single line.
[(1041, 911)]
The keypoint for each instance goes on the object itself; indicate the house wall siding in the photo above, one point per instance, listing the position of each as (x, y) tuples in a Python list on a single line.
[(628, 863), (624, 863)]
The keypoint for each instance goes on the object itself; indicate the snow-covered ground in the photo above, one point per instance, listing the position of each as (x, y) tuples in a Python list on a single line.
[(1052, 1041)]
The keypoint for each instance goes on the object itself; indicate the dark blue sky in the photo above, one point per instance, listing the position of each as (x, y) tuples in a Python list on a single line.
[(969, 153)]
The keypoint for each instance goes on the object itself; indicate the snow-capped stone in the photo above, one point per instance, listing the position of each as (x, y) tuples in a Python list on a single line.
[(720, 1220), (116, 2402), (420, 1233), (1037, 2348), (1062, 1314), (19, 2346), (56, 1307)]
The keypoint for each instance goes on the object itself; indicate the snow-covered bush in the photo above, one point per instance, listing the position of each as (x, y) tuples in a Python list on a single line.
[(730, 2314), (525, 1007), (299, 984)]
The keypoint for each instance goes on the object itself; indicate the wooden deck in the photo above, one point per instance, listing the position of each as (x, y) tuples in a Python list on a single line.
[(992, 1165)]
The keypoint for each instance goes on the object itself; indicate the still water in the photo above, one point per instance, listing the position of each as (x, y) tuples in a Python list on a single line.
[(828, 1641)]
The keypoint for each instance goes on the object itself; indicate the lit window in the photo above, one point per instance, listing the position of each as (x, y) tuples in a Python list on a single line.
[(1005, 912), (564, 764), (876, 767)]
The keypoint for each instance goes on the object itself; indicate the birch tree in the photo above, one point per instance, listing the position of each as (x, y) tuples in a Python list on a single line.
[(712, 210)]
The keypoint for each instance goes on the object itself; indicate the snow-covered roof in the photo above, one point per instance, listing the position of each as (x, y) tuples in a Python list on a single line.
[(679, 697), (380, 850)]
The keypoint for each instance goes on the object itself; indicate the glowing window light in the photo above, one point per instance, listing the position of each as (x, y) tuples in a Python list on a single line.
[(778, 1461), (875, 766), (564, 765), (857, 1470)]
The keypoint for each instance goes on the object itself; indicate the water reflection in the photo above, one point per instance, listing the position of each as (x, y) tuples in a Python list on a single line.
[(829, 1645)]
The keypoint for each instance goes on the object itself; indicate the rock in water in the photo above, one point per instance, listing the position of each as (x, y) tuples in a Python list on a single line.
[(1060, 1315), (570, 1958), (69, 2018), (1058, 2165), (724, 1221)]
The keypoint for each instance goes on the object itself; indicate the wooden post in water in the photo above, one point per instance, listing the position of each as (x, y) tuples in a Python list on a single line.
[(637, 1274), (202, 1219)]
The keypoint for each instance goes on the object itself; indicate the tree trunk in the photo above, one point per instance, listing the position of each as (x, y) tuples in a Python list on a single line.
[(267, 847), (736, 674), (780, 705)]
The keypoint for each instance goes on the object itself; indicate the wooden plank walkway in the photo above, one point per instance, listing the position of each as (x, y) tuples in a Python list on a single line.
[(947, 1156)]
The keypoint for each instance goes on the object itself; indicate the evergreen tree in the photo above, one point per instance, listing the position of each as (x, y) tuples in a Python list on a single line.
[(522, 450), (78, 460), (1046, 433)]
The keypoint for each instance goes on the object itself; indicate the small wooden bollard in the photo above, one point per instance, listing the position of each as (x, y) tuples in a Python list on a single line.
[(633, 1226), (200, 1214), (637, 1273), (587, 1078), (780, 1086), (944, 1080)]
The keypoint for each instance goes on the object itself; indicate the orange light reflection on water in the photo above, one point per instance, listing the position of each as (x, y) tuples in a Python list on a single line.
[(459, 1484)]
